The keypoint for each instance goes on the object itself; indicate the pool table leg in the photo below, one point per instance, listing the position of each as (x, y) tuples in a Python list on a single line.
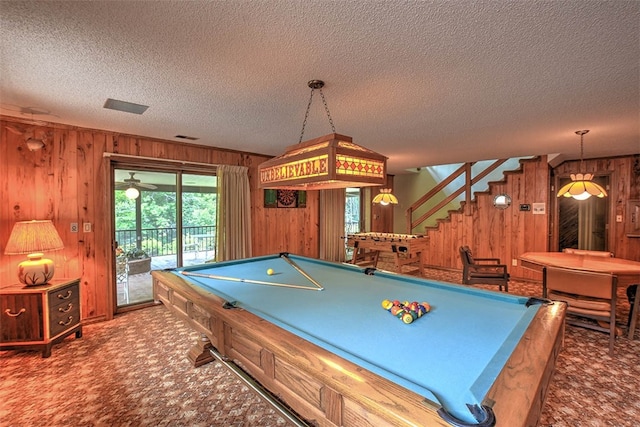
[(199, 354)]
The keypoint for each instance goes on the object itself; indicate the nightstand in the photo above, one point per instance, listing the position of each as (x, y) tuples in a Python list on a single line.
[(36, 317)]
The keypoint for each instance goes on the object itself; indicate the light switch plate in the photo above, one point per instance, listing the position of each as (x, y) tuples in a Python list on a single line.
[(86, 227)]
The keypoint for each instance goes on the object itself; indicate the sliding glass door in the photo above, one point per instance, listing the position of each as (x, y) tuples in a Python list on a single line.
[(198, 219), (163, 219), (352, 216)]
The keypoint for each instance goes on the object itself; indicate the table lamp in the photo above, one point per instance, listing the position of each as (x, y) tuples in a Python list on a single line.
[(33, 238)]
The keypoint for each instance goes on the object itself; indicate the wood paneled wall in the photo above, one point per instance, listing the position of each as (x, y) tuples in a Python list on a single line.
[(506, 234), (67, 182), (624, 185)]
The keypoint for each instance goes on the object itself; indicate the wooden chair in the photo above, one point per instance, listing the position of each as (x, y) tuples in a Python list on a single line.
[(589, 295), (485, 271)]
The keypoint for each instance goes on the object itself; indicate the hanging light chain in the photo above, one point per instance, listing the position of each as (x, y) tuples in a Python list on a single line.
[(306, 115), (316, 84), (582, 133), (326, 107)]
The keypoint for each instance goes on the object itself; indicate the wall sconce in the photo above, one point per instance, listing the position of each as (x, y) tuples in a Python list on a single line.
[(502, 201), (34, 144), (33, 238)]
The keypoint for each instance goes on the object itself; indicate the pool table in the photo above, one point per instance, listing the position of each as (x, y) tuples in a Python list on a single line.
[(315, 334)]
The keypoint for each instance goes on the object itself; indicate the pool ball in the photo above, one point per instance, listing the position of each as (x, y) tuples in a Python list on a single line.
[(407, 318), (270, 271)]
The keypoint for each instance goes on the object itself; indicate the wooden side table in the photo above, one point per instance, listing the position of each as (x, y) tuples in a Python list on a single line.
[(36, 317)]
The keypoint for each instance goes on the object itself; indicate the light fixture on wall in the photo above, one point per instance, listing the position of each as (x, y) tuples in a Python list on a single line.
[(385, 197), (328, 162), (502, 201), (34, 144), (132, 193), (581, 186), (28, 133), (33, 238)]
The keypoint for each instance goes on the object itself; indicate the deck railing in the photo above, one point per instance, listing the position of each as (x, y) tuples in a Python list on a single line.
[(162, 241)]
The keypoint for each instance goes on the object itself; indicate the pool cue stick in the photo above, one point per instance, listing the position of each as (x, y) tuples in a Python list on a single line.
[(256, 282), (301, 271), (258, 388)]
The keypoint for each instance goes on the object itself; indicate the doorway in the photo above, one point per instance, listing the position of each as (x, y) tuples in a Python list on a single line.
[(162, 219), (352, 216), (583, 224)]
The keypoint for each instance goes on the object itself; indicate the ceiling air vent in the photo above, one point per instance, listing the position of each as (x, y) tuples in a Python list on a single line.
[(127, 107), (190, 138)]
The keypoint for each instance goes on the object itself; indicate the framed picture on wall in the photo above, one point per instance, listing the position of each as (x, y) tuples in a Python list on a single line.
[(285, 199)]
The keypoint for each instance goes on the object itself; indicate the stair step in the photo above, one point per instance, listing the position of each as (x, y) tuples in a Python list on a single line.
[(476, 194)]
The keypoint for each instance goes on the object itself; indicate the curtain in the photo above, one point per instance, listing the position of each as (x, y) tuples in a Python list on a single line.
[(233, 213), (585, 225), (332, 205)]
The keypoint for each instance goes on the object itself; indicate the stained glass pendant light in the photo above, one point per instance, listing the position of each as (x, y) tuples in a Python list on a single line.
[(328, 162), (581, 186), (385, 197)]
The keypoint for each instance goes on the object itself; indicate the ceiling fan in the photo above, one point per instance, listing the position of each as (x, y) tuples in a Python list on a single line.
[(133, 182), (33, 143)]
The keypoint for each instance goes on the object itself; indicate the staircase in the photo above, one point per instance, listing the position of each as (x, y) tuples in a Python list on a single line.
[(489, 231)]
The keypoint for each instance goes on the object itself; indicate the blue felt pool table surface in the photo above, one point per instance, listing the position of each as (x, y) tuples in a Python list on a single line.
[(451, 355)]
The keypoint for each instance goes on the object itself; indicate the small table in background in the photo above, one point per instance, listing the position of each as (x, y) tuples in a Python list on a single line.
[(627, 271)]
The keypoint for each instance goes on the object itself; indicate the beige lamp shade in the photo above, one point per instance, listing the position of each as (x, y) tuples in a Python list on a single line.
[(34, 238)]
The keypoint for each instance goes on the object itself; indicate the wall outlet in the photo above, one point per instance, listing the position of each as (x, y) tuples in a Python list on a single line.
[(514, 262), (74, 227), (86, 227)]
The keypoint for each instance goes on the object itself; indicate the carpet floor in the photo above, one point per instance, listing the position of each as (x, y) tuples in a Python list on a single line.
[(133, 371)]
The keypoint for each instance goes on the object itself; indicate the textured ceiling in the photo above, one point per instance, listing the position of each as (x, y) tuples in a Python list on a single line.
[(422, 82)]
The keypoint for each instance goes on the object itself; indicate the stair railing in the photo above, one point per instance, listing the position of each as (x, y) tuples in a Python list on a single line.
[(466, 188)]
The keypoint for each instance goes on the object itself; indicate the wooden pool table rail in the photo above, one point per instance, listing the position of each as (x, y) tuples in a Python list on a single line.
[(330, 391)]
